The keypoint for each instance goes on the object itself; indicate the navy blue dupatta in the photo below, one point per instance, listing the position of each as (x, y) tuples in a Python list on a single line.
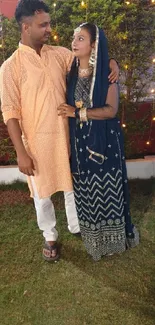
[(98, 93)]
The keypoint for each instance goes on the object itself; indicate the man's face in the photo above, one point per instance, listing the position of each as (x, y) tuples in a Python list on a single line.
[(38, 29)]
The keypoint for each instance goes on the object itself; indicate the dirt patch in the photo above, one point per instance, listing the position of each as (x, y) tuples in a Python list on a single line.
[(14, 197)]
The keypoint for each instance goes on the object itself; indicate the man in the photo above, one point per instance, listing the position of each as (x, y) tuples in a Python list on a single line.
[(33, 85)]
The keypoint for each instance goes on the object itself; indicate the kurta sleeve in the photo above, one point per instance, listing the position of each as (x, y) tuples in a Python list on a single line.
[(10, 92)]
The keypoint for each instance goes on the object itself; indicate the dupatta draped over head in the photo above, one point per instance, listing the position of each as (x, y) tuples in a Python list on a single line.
[(98, 93)]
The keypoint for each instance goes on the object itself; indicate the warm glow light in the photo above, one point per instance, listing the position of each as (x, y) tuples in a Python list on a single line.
[(126, 66), (153, 1), (124, 125), (148, 143), (1, 45), (127, 3), (152, 91), (153, 118), (54, 4), (125, 37), (153, 60), (82, 3), (55, 37)]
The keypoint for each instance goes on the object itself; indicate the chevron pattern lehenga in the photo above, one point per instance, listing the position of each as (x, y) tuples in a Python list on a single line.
[(100, 206)]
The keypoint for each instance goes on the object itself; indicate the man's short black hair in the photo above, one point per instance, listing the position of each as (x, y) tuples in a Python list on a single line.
[(27, 8)]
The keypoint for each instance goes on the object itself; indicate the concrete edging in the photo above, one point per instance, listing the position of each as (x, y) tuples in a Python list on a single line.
[(9, 174), (136, 168)]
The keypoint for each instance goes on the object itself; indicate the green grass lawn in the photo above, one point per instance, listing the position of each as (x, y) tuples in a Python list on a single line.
[(118, 290)]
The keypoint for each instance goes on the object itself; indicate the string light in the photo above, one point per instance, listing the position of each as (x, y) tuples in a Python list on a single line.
[(127, 3), (55, 37), (153, 1), (82, 4), (54, 30), (150, 131), (123, 125), (125, 37), (85, 5), (153, 60), (126, 66), (152, 91)]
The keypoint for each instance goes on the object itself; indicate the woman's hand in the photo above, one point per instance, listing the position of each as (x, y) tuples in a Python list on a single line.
[(65, 110), (114, 75)]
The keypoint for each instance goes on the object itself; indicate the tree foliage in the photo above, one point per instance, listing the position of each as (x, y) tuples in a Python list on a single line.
[(11, 37)]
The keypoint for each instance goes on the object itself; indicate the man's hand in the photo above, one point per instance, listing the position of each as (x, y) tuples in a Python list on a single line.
[(114, 75), (25, 164), (65, 110)]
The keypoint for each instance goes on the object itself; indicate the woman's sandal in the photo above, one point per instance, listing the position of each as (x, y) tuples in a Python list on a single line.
[(50, 253)]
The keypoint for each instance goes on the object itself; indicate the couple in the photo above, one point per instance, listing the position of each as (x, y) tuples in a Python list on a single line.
[(33, 88)]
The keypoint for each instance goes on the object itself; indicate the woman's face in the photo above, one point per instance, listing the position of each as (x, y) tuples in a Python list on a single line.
[(81, 44)]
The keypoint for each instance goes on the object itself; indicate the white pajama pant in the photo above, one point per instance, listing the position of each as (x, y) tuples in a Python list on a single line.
[(46, 214)]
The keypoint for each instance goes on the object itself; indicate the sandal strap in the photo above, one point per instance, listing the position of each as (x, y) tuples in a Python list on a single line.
[(51, 247)]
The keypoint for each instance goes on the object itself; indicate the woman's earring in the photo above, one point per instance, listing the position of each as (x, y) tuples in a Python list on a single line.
[(77, 62), (92, 58)]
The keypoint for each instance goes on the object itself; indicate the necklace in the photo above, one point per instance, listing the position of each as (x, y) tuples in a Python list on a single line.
[(85, 72)]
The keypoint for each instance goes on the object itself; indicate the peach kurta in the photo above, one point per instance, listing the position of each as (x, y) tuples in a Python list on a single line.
[(32, 87)]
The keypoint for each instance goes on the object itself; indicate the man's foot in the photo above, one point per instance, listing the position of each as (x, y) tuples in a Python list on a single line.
[(50, 252)]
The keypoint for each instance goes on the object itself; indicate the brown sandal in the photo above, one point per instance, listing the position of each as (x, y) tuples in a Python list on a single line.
[(48, 251)]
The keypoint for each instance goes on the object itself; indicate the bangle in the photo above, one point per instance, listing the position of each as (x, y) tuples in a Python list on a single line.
[(77, 113), (83, 114)]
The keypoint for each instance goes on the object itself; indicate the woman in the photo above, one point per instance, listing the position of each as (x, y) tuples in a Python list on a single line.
[(97, 154)]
